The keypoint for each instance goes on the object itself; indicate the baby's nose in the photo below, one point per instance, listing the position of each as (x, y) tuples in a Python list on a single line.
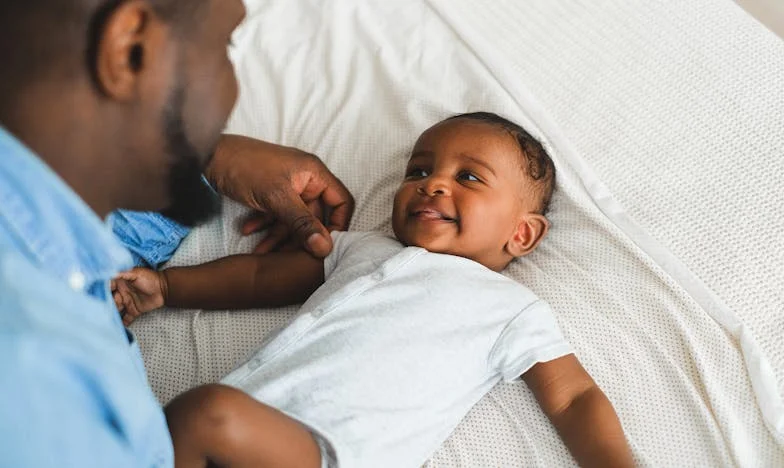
[(433, 186)]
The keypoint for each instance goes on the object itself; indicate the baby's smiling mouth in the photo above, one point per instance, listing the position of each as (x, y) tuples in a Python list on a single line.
[(429, 214)]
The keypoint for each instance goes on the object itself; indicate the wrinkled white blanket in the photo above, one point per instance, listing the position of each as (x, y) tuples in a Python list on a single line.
[(665, 263)]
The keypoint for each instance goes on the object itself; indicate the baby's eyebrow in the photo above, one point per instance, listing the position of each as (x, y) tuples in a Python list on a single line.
[(421, 154), (478, 161)]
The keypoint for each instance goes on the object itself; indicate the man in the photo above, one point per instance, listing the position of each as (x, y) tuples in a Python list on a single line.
[(108, 104)]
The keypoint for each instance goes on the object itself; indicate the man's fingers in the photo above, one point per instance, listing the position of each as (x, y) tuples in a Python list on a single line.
[(257, 221), (290, 245), (340, 218), (279, 237), (252, 225), (316, 208), (274, 237), (339, 200), (333, 195), (305, 227)]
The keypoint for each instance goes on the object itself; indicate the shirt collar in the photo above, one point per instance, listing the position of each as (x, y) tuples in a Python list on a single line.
[(51, 223)]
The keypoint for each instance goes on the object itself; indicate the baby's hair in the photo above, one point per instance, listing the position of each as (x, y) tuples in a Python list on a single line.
[(540, 166)]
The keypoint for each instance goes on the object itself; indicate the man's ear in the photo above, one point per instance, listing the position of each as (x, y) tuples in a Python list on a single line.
[(529, 232), (130, 34)]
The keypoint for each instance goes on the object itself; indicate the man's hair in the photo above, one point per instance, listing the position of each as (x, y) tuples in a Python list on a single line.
[(57, 39), (538, 164)]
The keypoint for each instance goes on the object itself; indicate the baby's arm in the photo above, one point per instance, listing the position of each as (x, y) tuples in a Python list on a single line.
[(245, 281), (580, 412), (236, 282)]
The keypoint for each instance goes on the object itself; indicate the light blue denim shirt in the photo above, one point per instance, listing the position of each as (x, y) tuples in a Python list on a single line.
[(73, 391)]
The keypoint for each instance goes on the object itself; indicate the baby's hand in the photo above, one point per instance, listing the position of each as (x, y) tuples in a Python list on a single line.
[(138, 291)]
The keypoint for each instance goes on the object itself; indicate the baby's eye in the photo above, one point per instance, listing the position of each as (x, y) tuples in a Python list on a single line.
[(467, 176), (416, 173)]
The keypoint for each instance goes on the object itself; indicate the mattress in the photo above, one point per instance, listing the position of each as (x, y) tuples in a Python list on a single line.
[(664, 264)]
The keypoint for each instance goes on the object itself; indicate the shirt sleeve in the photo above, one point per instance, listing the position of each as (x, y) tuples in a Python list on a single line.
[(150, 237), (341, 242), (533, 336)]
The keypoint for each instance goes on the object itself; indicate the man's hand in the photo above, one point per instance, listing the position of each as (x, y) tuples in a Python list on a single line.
[(288, 187), (138, 291)]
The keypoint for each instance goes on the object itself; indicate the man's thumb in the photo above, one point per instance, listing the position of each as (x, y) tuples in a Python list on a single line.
[(306, 228)]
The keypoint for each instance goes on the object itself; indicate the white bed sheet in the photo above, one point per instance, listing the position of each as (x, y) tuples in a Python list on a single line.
[(659, 266)]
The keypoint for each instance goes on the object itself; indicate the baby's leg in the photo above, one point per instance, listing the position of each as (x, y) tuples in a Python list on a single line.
[(215, 425)]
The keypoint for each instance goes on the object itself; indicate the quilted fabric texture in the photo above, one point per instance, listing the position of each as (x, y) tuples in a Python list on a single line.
[(665, 123)]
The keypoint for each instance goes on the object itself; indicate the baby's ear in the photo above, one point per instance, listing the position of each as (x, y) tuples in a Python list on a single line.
[(529, 232)]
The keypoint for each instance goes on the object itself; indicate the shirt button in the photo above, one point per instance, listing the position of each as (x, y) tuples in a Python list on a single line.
[(76, 281), (254, 363), (318, 312), (377, 276)]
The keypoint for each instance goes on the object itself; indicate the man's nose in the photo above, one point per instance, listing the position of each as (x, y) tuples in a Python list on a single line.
[(434, 185)]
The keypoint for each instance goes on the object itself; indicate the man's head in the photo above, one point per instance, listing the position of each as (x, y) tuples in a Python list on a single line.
[(125, 99), (477, 186)]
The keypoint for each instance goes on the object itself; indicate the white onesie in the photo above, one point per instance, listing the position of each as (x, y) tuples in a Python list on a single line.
[(386, 358)]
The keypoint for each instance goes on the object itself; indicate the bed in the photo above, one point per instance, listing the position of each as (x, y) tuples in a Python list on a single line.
[(665, 264)]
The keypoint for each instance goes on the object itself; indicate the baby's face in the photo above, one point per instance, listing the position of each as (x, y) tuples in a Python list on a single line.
[(464, 192)]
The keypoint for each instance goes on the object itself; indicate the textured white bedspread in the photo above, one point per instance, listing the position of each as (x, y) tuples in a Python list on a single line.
[(665, 263)]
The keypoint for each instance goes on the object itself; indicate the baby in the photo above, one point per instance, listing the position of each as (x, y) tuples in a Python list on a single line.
[(400, 336)]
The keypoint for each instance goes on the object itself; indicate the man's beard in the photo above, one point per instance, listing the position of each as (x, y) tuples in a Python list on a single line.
[(192, 202)]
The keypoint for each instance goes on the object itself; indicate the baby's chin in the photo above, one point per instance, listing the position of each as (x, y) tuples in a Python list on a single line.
[(431, 245), (448, 250), (435, 247)]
